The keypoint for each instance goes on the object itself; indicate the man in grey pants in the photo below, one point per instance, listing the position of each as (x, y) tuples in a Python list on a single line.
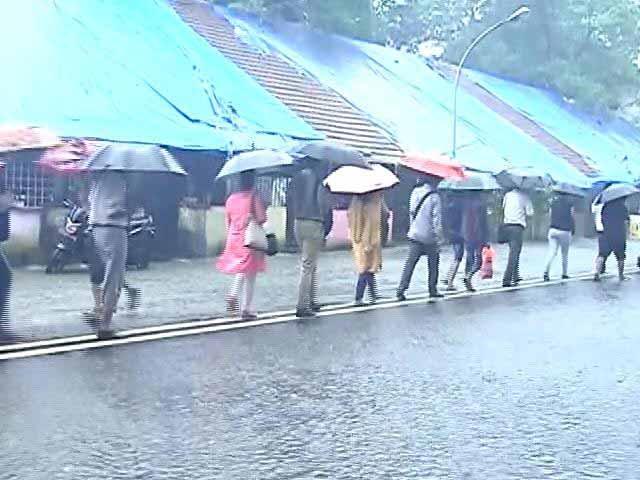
[(109, 218), (310, 206)]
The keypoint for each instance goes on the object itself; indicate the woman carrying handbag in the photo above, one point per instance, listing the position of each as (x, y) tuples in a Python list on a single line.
[(245, 215)]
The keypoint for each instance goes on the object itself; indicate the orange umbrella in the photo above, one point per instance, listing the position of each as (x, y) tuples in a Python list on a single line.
[(22, 137), (434, 164)]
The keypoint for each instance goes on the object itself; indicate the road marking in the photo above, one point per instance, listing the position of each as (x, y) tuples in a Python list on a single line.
[(177, 330)]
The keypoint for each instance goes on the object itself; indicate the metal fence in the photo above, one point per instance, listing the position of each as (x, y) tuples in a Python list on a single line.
[(30, 186)]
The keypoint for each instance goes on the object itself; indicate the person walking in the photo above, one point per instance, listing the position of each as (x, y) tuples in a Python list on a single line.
[(6, 275), (613, 237), (425, 235), (242, 207), (453, 227), (561, 230), (475, 233), (366, 214), (108, 220), (311, 210), (517, 207)]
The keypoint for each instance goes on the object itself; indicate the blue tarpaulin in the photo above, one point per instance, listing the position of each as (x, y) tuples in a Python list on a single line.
[(411, 101), (609, 145), (126, 70)]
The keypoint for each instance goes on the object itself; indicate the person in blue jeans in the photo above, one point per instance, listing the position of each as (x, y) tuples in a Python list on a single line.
[(425, 235)]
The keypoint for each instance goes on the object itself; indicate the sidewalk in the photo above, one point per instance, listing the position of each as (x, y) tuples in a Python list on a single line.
[(45, 306)]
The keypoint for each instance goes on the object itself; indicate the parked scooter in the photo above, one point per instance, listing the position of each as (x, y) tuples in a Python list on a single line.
[(74, 239)]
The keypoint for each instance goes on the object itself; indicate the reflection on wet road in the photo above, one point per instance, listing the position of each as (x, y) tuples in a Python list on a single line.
[(542, 383)]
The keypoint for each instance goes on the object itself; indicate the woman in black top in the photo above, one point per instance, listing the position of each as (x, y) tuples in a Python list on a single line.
[(561, 232)]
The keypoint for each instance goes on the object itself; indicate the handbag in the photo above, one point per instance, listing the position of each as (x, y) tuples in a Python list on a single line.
[(488, 256), (255, 236)]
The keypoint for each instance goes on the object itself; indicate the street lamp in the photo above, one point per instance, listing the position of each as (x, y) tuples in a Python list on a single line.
[(511, 18)]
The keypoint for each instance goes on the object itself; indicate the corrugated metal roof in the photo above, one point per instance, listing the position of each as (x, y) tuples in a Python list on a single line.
[(528, 126), (321, 107)]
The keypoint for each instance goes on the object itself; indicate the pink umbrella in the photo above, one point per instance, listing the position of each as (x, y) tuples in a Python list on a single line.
[(67, 158), (358, 181)]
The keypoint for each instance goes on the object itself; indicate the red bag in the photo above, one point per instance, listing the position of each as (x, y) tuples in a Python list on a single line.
[(488, 256)]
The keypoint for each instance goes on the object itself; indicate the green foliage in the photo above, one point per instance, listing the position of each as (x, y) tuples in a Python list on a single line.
[(583, 48)]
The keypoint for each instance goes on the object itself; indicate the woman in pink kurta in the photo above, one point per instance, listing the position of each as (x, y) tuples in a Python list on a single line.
[(236, 259)]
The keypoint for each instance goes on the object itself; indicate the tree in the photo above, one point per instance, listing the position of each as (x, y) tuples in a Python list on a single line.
[(584, 49)]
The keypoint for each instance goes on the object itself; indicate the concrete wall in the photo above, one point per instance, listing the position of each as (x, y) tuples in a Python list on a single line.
[(202, 232), (23, 247)]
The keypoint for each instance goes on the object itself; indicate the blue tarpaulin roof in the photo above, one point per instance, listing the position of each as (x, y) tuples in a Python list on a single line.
[(126, 70), (402, 94), (611, 146)]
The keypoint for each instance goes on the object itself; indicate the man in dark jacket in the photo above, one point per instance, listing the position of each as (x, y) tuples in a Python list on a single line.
[(310, 207), (475, 233), (5, 269)]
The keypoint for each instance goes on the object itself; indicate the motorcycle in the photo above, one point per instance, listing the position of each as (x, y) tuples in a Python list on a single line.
[(141, 233), (74, 239)]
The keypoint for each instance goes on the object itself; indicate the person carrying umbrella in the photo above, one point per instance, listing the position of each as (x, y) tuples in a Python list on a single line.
[(367, 212), (561, 231), (517, 207), (426, 233), (475, 233), (453, 226), (310, 207), (613, 227), (115, 172), (243, 206)]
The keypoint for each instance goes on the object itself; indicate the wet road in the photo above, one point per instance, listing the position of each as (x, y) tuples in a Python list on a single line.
[(538, 383)]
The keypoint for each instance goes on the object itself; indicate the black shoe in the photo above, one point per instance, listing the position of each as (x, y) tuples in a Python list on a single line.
[(316, 307), (468, 285), (546, 277), (305, 313), (566, 277), (106, 334), (507, 285), (436, 295), (401, 297)]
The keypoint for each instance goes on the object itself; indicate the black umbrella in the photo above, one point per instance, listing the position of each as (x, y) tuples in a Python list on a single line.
[(131, 157), (331, 152), (615, 192)]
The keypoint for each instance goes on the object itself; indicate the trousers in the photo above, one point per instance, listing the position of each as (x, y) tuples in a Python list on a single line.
[(310, 237), (416, 251), (559, 240), (111, 247), (515, 235)]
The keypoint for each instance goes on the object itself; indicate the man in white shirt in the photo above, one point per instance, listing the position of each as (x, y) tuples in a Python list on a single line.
[(517, 207)]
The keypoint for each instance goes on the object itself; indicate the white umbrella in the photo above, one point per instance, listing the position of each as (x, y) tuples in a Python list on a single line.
[(358, 181)]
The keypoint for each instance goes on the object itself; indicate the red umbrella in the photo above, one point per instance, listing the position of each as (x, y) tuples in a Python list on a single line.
[(67, 158), (434, 164)]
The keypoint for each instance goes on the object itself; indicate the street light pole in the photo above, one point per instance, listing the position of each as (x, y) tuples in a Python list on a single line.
[(511, 18)]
